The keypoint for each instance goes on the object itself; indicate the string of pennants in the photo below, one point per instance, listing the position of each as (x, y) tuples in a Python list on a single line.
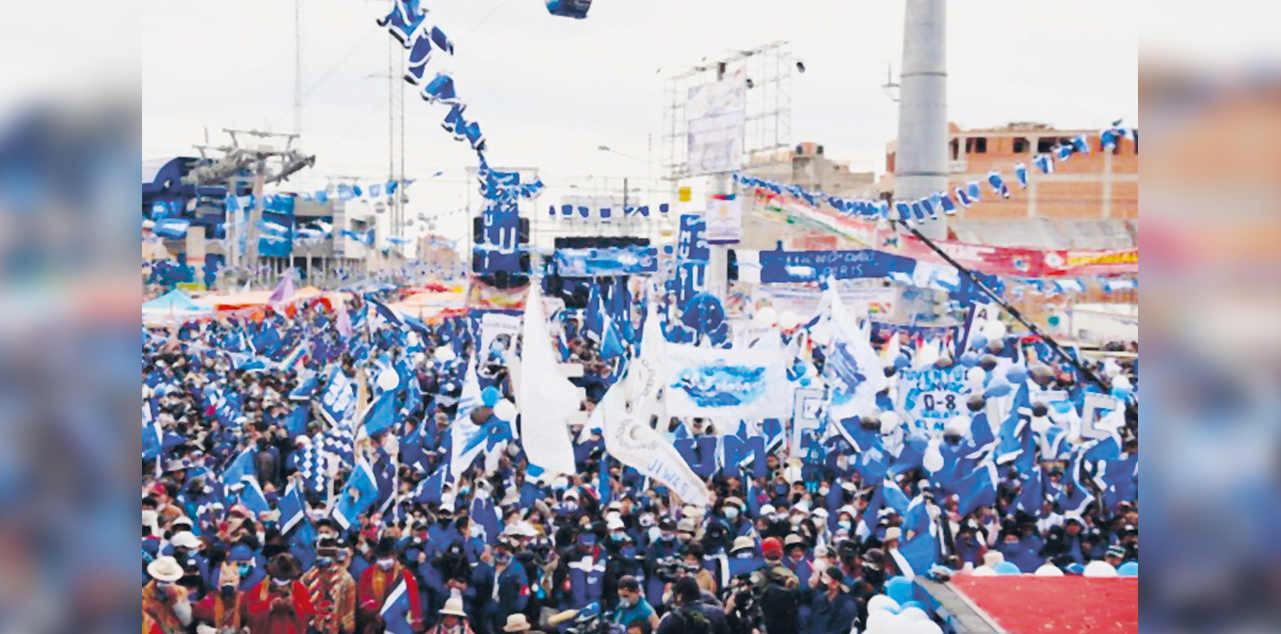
[(604, 214), (946, 202), (347, 192), (423, 42)]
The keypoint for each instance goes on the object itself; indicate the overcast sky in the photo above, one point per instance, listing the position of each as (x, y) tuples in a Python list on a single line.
[(547, 91)]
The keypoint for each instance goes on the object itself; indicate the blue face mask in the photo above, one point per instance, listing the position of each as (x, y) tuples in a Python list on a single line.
[(731, 513), (243, 569)]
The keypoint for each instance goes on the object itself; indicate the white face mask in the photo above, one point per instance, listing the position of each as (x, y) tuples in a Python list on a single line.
[(386, 564), (823, 490)]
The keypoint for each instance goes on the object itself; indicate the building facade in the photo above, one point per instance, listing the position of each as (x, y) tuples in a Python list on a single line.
[(1103, 185)]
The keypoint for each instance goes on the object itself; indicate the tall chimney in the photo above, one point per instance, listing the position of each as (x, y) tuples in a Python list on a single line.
[(920, 167)]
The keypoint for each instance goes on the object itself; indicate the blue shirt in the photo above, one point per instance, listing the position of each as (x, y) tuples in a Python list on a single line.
[(642, 610)]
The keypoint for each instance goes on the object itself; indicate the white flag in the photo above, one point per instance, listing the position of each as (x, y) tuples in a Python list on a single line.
[(546, 397)]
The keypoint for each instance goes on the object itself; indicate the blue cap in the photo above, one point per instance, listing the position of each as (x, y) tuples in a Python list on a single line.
[(241, 552), (587, 539)]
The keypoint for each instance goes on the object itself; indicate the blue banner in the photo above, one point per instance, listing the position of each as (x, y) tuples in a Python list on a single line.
[(692, 244), (634, 260)]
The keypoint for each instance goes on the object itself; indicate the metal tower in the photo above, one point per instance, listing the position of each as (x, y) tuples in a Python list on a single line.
[(920, 167)]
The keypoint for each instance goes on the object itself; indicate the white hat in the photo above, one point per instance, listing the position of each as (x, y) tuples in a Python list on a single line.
[(742, 543), (768, 509), (801, 507), (892, 532), (983, 571), (516, 623), (454, 607), (1049, 570), (1099, 569), (821, 513), (165, 569), (572, 493), (993, 557), (185, 540), (615, 523)]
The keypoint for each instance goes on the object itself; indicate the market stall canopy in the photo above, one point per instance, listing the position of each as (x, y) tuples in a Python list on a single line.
[(173, 304)]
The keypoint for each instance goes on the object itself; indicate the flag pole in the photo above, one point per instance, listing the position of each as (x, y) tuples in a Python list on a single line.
[(1014, 312)]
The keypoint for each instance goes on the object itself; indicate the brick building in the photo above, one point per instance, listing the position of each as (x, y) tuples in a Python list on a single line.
[(1100, 186)]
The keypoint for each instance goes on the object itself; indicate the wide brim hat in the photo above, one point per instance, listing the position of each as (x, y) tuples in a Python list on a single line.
[(516, 623), (165, 569), (454, 607), (742, 543)]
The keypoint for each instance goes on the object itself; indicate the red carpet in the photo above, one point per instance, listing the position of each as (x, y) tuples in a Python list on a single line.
[(1041, 605)]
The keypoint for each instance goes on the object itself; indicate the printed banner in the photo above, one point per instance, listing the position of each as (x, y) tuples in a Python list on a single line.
[(338, 402), (735, 384), (724, 220), (634, 260), (500, 329), (929, 397), (635, 444), (716, 113), (992, 260)]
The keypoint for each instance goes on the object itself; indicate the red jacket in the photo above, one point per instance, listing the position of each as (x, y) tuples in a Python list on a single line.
[(263, 615), (372, 590)]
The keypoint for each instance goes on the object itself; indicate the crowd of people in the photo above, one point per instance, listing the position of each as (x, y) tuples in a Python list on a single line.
[(502, 548)]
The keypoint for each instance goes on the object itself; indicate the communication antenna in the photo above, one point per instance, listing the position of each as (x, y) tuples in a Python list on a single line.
[(890, 86)]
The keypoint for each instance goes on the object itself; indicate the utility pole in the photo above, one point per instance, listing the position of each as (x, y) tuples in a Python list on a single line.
[(920, 166), (297, 67)]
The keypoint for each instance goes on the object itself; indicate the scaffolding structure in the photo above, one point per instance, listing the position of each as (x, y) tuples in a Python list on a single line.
[(767, 71)]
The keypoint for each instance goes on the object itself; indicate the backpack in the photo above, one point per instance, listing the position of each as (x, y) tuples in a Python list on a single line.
[(693, 621)]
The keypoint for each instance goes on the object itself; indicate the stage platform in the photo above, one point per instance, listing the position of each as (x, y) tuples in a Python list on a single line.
[(1027, 604)]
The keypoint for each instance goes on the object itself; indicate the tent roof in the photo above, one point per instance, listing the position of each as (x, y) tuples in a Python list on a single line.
[(175, 301)]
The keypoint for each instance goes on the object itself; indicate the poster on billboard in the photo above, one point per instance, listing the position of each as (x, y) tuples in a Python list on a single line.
[(724, 220), (716, 113)]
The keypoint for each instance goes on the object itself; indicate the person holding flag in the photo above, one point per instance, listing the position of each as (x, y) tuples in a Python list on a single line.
[(279, 604), (376, 585)]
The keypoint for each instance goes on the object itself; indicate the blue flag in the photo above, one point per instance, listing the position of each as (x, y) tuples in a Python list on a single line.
[(429, 491), (295, 423), (917, 555), (977, 489), (381, 414), (482, 512), (292, 509), (243, 466), (359, 493), (396, 611)]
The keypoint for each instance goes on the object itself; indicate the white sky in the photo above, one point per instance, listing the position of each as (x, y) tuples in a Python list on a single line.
[(547, 91)]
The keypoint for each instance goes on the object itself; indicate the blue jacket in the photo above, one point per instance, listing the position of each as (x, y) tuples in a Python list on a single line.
[(513, 590), (833, 615), (585, 579)]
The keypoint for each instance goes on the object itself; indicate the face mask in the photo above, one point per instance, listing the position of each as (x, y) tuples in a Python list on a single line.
[(228, 591), (845, 524), (571, 506), (502, 559), (626, 602), (243, 568), (476, 530), (617, 535), (796, 520), (386, 564), (746, 554), (731, 513), (464, 491), (823, 490), (669, 536)]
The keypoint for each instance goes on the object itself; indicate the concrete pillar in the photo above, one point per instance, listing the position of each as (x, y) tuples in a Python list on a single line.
[(921, 165)]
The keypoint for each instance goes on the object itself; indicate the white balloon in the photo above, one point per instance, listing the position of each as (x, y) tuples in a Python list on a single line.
[(913, 614), (959, 424), (882, 602), (881, 620), (983, 571), (766, 316), (1099, 569), (789, 320), (924, 627), (1040, 424), (889, 422), (933, 458), (994, 330), (505, 410), (1121, 382), (1049, 570), (975, 376), (388, 380), (444, 354)]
